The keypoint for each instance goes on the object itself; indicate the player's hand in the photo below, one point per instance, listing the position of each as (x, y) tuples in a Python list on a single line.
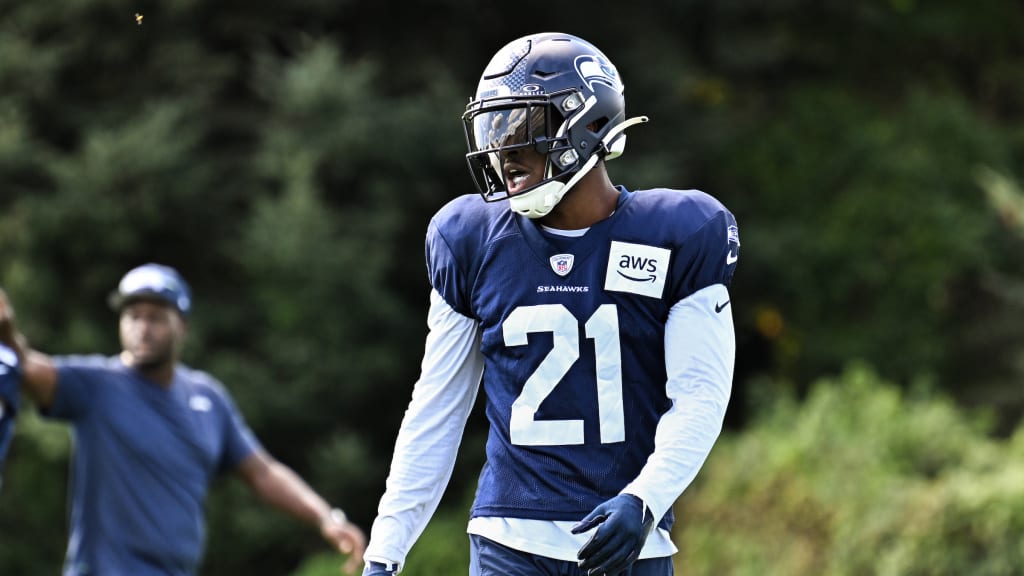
[(378, 569), (347, 538), (622, 525)]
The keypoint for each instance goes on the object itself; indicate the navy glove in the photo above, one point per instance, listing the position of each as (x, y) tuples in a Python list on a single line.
[(623, 524), (378, 569)]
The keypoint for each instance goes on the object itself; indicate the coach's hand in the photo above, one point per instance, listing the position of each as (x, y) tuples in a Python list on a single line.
[(378, 569), (346, 537), (623, 524)]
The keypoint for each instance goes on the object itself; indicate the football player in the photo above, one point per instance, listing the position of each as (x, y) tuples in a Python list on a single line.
[(597, 318)]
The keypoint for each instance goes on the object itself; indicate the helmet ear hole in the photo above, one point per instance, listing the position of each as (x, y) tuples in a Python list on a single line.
[(598, 125)]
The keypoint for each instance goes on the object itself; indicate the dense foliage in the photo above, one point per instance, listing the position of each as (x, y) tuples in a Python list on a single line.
[(860, 479), (287, 156)]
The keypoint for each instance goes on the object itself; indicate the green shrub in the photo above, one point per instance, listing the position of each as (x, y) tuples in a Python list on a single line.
[(859, 478)]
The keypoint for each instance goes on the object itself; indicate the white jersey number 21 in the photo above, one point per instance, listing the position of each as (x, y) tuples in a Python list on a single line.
[(603, 329)]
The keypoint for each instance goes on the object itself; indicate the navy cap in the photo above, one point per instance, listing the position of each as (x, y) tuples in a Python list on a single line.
[(153, 282)]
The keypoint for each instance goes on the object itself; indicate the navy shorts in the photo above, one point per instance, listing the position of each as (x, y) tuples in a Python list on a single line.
[(488, 558)]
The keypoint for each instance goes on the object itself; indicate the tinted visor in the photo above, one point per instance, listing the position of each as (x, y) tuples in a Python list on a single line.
[(517, 126)]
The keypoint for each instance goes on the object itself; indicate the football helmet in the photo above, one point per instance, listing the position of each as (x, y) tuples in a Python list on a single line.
[(153, 282), (555, 93)]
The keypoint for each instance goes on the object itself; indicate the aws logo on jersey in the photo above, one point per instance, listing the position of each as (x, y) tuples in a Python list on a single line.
[(637, 268)]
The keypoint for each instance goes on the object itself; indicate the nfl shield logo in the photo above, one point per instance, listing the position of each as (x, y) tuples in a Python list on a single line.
[(561, 264)]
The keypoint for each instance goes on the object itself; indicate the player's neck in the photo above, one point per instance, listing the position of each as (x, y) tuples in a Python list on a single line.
[(590, 201)]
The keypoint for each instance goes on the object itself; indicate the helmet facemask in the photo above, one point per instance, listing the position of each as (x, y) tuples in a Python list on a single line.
[(499, 127)]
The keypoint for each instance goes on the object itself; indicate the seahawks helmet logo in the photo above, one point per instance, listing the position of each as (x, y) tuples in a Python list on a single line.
[(595, 69)]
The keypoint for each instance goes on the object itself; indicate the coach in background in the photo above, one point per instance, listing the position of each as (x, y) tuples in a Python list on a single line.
[(8, 401), (150, 436)]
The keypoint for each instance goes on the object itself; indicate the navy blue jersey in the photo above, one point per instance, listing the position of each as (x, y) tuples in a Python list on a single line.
[(9, 397), (573, 338), (144, 459)]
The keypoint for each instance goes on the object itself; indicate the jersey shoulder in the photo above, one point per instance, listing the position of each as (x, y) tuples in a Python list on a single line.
[(468, 221), (200, 381), (458, 238), (462, 230), (700, 230), (89, 362), (683, 211)]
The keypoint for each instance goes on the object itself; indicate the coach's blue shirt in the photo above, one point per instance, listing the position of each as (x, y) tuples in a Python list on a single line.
[(144, 459)]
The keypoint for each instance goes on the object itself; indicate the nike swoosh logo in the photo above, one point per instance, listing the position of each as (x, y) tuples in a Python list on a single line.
[(720, 307), (731, 258)]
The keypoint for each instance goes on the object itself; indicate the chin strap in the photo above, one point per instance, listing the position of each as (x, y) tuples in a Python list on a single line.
[(541, 200), (615, 150), (538, 202)]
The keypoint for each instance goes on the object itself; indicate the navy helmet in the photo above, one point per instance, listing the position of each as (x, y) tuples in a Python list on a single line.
[(153, 282), (556, 93)]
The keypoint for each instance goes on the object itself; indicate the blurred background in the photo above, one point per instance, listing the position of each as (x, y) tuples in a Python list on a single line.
[(287, 156)]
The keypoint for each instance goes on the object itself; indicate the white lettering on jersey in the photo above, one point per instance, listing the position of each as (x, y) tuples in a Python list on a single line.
[(637, 269), (580, 289), (603, 329)]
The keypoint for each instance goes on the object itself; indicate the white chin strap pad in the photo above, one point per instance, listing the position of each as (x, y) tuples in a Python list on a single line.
[(539, 201)]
